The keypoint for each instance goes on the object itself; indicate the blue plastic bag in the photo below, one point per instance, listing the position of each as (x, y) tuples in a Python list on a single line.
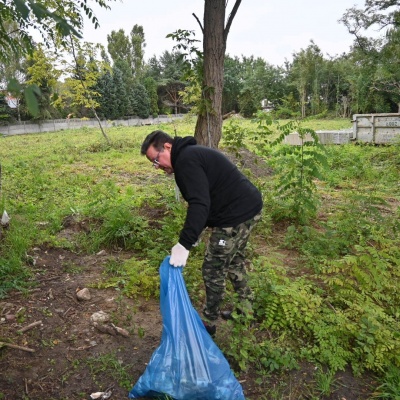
[(187, 365)]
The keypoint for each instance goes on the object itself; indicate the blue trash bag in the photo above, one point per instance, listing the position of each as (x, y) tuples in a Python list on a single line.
[(187, 365)]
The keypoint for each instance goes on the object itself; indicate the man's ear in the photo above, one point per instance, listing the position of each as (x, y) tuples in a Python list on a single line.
[(168, 146)]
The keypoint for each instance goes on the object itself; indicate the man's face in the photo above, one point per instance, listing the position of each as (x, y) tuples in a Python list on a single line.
[(161, 159)]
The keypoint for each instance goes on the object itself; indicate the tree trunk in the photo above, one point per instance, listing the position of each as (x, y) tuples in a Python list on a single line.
[(209, 123), (303, 102)]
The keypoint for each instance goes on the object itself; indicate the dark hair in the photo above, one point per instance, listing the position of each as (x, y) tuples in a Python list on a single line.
[(157, 139)]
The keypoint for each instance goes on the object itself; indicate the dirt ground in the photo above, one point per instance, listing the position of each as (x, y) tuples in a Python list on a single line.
[(52, 350), (57, 353)]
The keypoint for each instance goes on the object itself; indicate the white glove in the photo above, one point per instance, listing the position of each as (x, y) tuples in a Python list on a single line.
[(179, 256)]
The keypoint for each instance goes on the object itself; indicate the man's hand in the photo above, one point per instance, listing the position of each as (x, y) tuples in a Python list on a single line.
[(179, 256)]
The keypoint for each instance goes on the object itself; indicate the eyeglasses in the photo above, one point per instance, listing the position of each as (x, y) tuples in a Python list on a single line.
[(156, 163)]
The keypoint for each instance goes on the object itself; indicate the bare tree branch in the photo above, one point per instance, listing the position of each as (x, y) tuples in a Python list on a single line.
[(198, 21), (230, 19)]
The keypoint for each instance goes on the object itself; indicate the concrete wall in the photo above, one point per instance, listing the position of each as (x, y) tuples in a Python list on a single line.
[(325, 137), (76, 123), (376, 128)]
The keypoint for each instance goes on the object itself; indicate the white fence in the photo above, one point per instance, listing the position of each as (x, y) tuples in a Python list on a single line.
[(75, 123)]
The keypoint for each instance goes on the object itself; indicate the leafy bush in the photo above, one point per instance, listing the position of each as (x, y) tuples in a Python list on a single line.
[(121, 227), (286, 113), (134, 278), (353, 320)]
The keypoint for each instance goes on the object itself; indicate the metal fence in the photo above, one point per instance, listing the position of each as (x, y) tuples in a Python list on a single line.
[(22, 128)]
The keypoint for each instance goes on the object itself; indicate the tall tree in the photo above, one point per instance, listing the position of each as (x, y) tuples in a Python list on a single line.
[(105, 89), (42, 72), (151, 87), (138, 44), (153, 68), (128, 81), (262, 81), (215, 33), (128, 48), (233, 84), (382, 52), (119, 46), (387, 75), (170, 93), (172, 66), (84, 71), (53, 19), (304, 74), (142, 101)]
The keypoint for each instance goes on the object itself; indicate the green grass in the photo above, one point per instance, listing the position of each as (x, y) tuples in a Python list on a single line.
[(333, 302)]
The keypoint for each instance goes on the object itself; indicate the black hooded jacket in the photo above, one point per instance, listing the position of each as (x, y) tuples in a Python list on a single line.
[(217, 193)]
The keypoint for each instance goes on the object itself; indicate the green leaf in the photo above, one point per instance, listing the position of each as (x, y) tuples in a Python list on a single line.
[(31, 100), (22, 8), (39, 10), (14, 86)]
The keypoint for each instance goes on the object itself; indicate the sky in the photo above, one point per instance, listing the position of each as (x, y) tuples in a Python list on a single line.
[(270, 29)]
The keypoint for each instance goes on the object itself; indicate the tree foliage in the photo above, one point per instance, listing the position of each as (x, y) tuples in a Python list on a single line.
[(361, 81), (78, 89), (51, 18), (54, 20), (41, 71), (128, 48)]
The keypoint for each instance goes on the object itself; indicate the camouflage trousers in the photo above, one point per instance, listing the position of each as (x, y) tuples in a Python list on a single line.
[(225, 258)]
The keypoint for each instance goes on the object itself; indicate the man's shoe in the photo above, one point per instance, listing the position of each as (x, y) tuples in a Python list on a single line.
[(226, 315), (211, 329)]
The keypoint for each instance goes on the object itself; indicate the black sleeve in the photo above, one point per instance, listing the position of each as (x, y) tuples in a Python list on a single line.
[(194, 186)]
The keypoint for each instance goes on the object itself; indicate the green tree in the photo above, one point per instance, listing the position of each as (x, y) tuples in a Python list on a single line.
[(138, 44), (360, 77), (128, 82), (337, 92), (151, 87), (387, 75), (247, 102), (383, 14), (208, 129), (172, 66), (233, 84), (55, 20), (153, 68), (5, 111), (51, 18), (104, 87), (304, 74), (13, 69), (382, 53), (142, 101), (84, 73), (171, 96), (81, 77), (41, 71), (262, 81), (119, 47), (120, 99), (128, 48)]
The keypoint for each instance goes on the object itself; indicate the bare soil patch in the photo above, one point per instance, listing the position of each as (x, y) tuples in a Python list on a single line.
[(57, 353)]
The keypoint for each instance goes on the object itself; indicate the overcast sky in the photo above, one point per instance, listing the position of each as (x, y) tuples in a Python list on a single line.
[(271, 29)]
